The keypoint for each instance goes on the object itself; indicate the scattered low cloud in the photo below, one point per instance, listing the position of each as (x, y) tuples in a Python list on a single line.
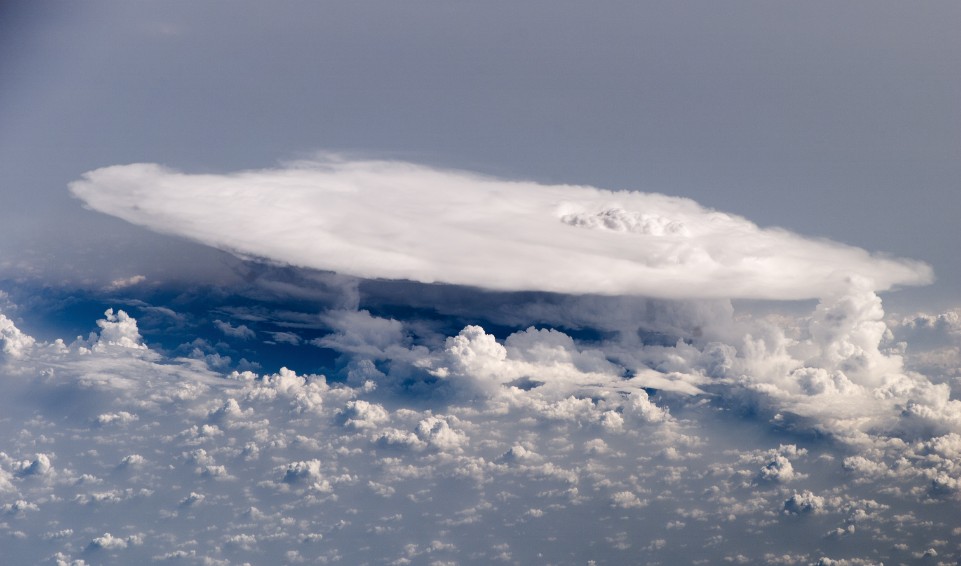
[(538, 431)]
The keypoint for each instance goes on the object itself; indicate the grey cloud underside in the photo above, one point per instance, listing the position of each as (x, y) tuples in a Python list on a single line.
[(393, 220)]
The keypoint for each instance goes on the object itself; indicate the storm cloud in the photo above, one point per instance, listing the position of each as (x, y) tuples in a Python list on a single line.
[(396, 220)]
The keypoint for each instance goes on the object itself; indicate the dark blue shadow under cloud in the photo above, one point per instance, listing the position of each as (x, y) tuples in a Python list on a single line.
[(274, 301)]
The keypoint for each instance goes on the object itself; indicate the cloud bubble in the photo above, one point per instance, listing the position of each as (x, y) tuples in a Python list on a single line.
[(396, 220)]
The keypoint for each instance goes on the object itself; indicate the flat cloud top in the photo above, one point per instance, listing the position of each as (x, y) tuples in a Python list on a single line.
[(396, 220)]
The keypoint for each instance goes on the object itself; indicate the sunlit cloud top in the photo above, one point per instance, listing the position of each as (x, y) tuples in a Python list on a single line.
[(396, 220)]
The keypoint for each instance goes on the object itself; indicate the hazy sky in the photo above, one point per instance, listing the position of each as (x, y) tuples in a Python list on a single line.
[(834, 120)]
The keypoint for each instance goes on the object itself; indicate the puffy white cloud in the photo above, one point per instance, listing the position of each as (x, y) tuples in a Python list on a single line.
[(864, 466), (640, 407), (118, 330), (437, 432), (308, 470), (39, 466), (6, 480), (551, 348), (305, 392), (229, 410), (132, 461), (519, 454), (398, 438), (804, 502), (18, 507), (779, 469), (362, 414), (14, 343), (832, 371), (931, 343), (393, 220), (650, 466), (627, 500), (547, 361), (925, 327), (122, 417), (110, 542)]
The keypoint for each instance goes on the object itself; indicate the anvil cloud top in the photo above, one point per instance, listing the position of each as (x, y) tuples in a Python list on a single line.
[(396, 220)]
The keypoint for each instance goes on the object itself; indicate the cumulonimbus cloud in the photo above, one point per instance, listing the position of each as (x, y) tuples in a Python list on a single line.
[(396, 220)]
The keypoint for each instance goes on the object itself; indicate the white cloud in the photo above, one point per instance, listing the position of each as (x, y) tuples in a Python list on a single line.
[(14, 342), (18, 507), (393, 220), (358, 332), (305, 392), (39, 466), (545, 360), (626, 500), (831, 371), (779, 469), (437, 433), (122, 418), (804, 502), (931, 343), (109, 542), (361, 414), (468, 470), (132, 461), (118, 330)]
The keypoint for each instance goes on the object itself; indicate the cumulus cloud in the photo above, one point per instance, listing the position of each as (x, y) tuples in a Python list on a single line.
[(110, 542), (804, 502), (554, 426), (532, 358), (13, 341), (931, 343), (779, 470), (833, 371), (363, 415), (118, 330), (39, 466), (626, 500), (123, 417), (437, 432), (394, 220), (337, 463)]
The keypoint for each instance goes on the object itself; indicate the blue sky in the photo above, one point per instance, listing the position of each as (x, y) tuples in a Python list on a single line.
[(369, 260)]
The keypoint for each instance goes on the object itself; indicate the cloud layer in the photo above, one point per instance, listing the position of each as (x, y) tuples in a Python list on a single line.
[(395, 220), (123, 454)]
